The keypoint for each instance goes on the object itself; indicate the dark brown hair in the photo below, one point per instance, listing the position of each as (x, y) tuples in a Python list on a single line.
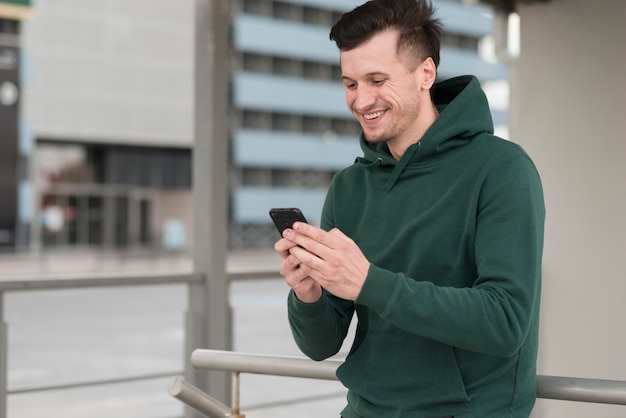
[(419, 31)]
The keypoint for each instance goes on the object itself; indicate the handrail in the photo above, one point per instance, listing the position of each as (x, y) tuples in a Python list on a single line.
[(73, 282), (67, 281), (289, 366), (98, 382), (197, 399), (579, 389), (96, 280), (548, 387)]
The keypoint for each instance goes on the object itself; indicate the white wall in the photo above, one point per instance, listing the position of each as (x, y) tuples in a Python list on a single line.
[(111, 71), (568, 110)]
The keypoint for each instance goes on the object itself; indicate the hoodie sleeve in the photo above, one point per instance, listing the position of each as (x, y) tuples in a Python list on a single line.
[(319, 328), (494, 315)]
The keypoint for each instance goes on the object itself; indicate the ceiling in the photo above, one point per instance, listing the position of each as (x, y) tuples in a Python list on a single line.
[(506, 5)]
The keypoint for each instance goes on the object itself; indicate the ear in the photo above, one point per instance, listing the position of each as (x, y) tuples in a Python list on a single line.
[(428, 73)]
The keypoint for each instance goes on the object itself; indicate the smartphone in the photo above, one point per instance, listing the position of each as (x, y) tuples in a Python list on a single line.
[(285, 217)]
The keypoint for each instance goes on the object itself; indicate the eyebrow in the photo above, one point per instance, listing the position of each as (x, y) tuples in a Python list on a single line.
[(370, 74)]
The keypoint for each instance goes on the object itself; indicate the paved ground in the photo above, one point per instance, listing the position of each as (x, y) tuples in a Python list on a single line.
[(67, 336)]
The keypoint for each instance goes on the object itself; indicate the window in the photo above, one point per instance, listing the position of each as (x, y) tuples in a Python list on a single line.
[(107, 195), (252, 119), (287, 66), (455, 40), (9, 26), (317, 16), (266, 64), (287, 11), (258, 7), (290, 11)]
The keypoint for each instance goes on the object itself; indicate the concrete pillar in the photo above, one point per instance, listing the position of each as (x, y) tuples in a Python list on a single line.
[(568, 105)]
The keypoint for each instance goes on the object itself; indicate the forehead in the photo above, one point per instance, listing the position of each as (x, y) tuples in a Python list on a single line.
[(375, 55)]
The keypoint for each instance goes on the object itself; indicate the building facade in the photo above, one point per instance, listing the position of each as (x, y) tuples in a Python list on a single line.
[(293, 130), (110, 100), (9, 121)]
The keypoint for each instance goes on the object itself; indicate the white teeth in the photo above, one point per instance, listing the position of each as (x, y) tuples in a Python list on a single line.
[(373, 115)]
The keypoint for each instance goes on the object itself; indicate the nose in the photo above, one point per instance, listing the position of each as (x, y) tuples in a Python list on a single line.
[(364, 99)]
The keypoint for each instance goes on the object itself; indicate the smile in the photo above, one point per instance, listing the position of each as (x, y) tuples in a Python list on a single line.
[(371, 116)]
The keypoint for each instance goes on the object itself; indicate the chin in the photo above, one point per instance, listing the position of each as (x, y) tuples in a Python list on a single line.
[(374, 138)]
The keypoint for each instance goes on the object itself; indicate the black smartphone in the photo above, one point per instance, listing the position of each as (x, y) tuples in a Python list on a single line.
[(285, 217)]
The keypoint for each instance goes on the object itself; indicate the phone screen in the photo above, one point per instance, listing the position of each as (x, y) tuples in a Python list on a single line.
[(285, 217)]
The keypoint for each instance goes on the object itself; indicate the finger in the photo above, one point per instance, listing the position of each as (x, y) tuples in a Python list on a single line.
[(308, 254), (296, 278), (288, 265), (320, 248), (311, 239), (330, 241), (282, 247), (315, 233)]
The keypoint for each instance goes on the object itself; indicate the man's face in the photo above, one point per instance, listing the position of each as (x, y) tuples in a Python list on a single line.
[(381, 91)]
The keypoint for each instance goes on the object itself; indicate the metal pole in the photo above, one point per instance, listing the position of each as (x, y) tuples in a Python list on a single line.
[(577, 389), (197, 399), (265, 364), (581, 390), (209, 316), (236, 409), (4, 346)]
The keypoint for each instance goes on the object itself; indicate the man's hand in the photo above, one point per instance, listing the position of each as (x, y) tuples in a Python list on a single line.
[(313, 257), (306, 289)]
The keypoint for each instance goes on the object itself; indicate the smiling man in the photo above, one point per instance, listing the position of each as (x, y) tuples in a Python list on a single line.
[(388, 91), (433, 237)]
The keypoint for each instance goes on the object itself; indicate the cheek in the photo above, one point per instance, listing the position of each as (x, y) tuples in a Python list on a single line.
[(350, 96), (392, 96)]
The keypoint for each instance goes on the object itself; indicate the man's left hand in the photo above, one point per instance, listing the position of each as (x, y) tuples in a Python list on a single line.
[(330, 258)]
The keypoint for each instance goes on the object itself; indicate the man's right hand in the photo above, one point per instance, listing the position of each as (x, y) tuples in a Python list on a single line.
[(305, 288)]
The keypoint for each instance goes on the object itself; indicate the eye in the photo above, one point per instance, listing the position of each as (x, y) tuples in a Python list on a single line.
[(349, 86), (378, 82)]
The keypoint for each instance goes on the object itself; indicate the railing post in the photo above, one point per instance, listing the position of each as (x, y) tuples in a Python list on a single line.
[(209, 316), (198, 400), (4, 348), (236, 409)]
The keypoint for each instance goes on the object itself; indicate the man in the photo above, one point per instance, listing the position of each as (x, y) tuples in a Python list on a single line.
[(434, 237)]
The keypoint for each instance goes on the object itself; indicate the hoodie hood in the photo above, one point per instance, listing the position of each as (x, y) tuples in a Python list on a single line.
[(463, 114)]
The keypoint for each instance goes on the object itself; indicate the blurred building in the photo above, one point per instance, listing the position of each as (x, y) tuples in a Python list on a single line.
[(109, 101), (293, 130), (14, 150)]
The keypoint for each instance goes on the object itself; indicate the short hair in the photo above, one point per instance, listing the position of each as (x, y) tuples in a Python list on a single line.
[(418, 29)]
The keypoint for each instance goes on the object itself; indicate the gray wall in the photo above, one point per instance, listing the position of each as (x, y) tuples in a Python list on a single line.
[(114, 72), (568, 108)]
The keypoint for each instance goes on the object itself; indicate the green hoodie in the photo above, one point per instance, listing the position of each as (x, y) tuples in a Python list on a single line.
[(448, 315)]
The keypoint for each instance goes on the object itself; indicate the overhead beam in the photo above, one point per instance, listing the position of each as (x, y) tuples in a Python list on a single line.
[(504, 5)]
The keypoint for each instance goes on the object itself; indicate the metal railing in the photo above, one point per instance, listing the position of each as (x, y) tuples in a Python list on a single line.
[(65, 282), (600, 391), (548, 387)]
